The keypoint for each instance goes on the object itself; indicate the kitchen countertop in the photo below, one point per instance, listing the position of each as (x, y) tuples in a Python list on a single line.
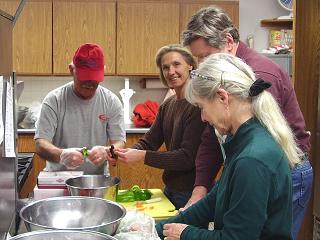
[(130, 128)]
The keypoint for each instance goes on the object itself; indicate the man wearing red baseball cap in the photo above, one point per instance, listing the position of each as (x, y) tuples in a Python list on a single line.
[(80, 114)]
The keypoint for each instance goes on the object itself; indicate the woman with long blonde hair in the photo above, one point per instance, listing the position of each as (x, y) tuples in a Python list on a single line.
[(253, 198)]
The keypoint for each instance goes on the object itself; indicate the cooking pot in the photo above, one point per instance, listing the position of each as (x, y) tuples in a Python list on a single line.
[(73, 213), (94, 186)]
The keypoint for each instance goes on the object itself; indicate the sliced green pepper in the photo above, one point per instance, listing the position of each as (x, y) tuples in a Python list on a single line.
[(135, 188), (85, 152), (145, 195), (148, 193), (126, 196), (140, 194), (134, 194)]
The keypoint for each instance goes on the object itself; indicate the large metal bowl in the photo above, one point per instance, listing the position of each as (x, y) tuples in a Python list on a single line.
[(73, 213), (62, 235), (94, 186)]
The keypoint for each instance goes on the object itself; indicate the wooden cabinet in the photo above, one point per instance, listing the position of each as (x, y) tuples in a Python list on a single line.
[(189, 8), (138, 173), (78, 22), (130, 31), (32, 36), (144, 27)]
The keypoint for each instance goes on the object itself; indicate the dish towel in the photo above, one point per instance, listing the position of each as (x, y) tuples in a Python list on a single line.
[(145, 113)]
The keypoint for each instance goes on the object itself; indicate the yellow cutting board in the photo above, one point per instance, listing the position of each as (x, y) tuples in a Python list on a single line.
[(158, 210)]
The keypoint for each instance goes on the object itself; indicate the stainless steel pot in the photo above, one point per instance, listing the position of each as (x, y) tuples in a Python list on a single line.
[(62, 235), (94, 186), (73, 213)]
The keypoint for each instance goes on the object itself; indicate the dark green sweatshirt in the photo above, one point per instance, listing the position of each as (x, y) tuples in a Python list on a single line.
[(253, 198)]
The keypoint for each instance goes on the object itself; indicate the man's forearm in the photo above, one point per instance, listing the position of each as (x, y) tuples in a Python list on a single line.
[(48, 151), (198, 193)]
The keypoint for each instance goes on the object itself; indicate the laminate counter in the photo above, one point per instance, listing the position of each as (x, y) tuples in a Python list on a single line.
[(129, 129)]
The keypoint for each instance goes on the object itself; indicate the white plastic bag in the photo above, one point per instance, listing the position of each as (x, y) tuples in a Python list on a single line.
[(32, 116), (137, 226)]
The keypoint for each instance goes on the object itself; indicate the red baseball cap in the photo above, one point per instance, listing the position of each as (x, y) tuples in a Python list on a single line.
[(89, 62)]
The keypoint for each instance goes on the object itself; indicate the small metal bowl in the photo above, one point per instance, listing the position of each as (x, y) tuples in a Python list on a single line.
[(62, 235), (73, 213), (94, 186)]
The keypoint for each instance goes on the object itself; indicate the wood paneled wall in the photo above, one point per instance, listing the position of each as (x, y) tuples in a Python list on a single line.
[(307, 78)]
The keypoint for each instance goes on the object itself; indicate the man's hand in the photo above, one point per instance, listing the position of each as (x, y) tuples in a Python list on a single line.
[(172, 231), (198, 193), (98, 155), (130, 155), (71, 158)]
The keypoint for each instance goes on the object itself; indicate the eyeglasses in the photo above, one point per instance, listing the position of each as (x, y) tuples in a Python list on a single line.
[(196, 74)]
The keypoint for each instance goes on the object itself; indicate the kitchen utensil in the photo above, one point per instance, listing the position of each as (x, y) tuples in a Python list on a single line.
[(62, 235), (73, 213), (94, 186)]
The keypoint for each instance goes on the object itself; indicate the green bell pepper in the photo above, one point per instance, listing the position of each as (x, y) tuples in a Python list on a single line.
[(140, 194), (126, 196), (134, 194), (85, 152)]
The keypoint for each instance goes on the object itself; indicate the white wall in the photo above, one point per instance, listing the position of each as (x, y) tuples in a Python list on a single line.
[(250, 14), (36, 88)]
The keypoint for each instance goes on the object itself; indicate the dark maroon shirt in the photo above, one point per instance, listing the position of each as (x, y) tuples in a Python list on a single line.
[(209, 158)]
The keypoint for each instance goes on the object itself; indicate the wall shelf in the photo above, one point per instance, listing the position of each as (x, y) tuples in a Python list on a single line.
[(279, 23)]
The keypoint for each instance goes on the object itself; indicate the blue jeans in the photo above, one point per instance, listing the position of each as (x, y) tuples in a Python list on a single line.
[(302, 176), (178, 199)]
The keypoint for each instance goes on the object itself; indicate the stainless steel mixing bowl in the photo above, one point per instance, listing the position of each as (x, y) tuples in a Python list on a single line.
[(73, 213), (94, 186), (62, 235)]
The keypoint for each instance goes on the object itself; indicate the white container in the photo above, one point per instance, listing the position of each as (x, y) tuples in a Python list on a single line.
[(126, 94), (56, 178), (43, 193)]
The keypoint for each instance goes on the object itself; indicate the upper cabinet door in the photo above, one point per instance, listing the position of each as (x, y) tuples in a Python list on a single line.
[(32, 36), (142, 28), (78, 22), (187, 9)]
